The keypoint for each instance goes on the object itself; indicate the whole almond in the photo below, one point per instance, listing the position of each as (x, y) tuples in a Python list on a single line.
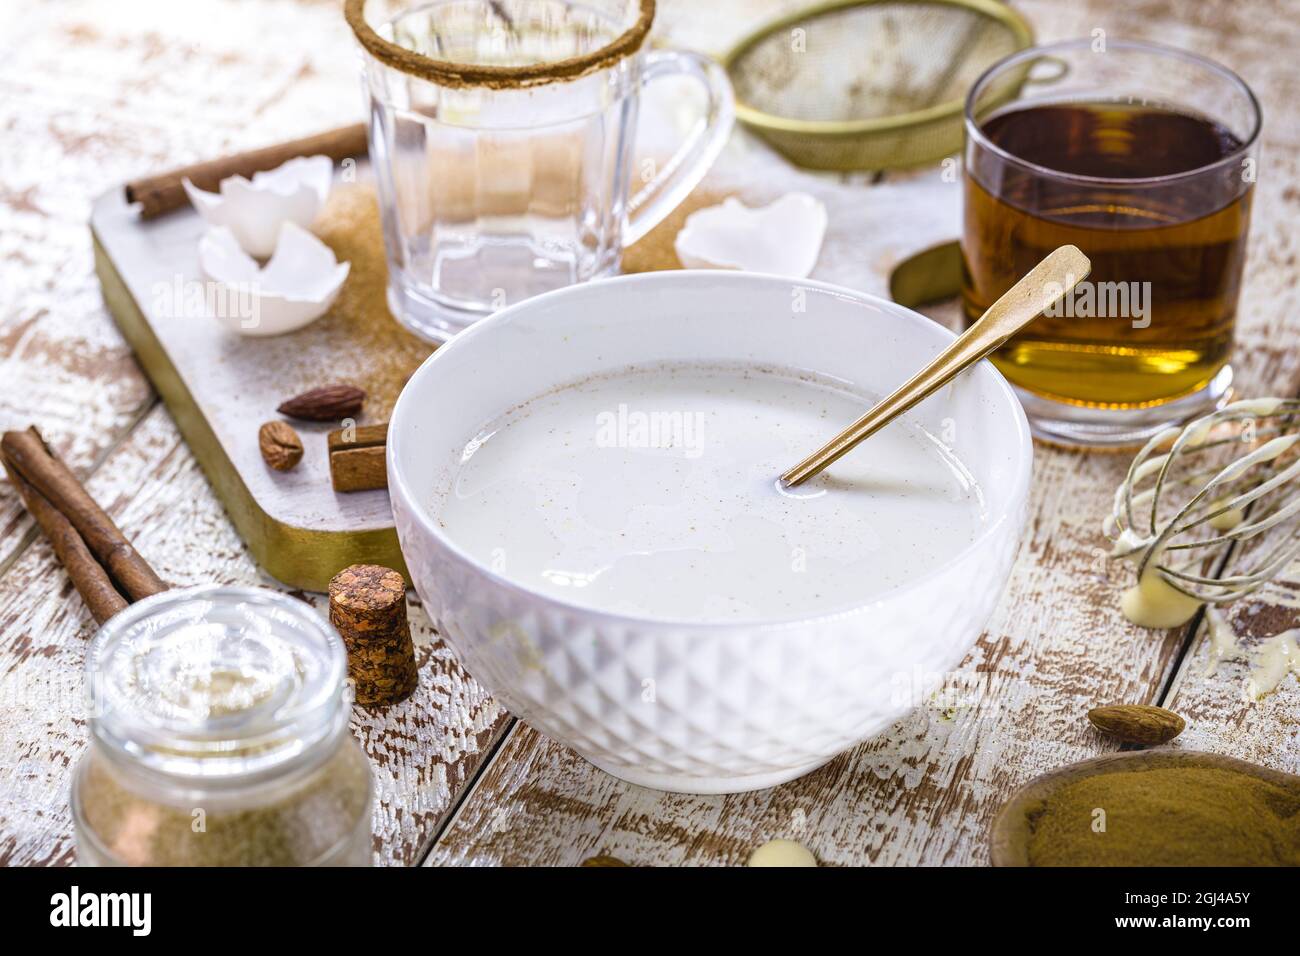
[(329, 403), (1137, 723), (280, 445)]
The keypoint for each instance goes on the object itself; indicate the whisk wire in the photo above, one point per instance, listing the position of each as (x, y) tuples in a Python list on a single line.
[(1267, 429)]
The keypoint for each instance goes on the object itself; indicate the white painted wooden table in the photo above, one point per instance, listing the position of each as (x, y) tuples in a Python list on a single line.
[(92, 94)]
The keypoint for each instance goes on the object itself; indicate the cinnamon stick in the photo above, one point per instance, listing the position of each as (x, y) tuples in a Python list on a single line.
[(358, 458), (90, 580), (28, 454), (163, 193)]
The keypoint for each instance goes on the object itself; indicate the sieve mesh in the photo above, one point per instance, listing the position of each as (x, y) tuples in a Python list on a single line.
[(869, 84)]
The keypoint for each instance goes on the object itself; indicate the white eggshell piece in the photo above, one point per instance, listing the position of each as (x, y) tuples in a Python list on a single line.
[(783, 238), (296, 287), (253, 210)]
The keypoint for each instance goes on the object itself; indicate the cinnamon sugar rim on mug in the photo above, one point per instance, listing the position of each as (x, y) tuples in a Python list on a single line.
[(491, 75), (502, 138)]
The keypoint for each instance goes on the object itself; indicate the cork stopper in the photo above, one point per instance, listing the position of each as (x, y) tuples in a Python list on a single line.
[(368, 607)]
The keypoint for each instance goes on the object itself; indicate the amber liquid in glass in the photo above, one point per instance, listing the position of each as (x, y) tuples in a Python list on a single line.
[(1177, 246)]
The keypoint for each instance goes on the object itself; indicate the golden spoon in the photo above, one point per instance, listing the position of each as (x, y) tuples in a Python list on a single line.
[(1043, 286)]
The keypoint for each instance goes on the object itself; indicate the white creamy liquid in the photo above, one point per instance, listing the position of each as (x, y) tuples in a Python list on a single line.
[(653, 491)]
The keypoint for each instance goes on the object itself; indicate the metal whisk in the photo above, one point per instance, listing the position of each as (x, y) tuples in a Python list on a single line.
[(1193, 491)]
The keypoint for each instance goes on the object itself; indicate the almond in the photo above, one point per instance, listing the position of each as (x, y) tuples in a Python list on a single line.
[(280, 445), (329, 403), (1137, 723)]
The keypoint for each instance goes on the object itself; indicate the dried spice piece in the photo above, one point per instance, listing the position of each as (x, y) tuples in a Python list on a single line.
[(280, 445), (162, 194), (46, 476), (358, 458), (368, 607), (1137, 724), (603, 860), (88, 576), (329, 403)]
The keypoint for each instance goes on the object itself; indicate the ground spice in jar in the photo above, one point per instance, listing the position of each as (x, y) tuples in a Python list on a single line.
[(219, 737), (1167, 816), (292, 825)]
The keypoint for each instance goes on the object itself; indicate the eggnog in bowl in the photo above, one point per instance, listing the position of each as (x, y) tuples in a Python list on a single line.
[(651, 491), (586, 490)]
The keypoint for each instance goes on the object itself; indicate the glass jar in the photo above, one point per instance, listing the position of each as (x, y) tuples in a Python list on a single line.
[(219, 737)]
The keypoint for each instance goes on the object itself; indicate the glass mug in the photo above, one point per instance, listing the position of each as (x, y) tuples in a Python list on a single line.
[(1144, 157), (501, 136)]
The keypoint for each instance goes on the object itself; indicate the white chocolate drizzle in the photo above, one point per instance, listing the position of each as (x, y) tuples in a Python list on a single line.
[(1155, 603), (1271, 660)]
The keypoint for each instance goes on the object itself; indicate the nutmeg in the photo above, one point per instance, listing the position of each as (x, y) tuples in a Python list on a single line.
[(280, 445)]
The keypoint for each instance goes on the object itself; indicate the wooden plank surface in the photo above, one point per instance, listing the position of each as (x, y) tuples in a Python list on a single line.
[(422, 750), (98, 100), (233, 378), (95, 99), (90, 97), (925, 791), (1221, 714)]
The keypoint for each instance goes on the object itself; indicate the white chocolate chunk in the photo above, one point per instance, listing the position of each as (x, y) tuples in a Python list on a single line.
[(1153, 603), (782, 853)]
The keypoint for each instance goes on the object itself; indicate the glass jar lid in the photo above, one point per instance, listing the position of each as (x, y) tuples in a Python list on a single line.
[(216, 682)]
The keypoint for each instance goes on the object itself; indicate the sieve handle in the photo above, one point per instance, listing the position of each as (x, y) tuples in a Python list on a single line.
[(666, 186)]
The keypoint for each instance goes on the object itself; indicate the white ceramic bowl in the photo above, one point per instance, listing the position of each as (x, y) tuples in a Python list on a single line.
[(735, 706)]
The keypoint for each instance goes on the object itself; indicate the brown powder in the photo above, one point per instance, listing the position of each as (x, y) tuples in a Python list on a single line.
[(357, 341), (309, 818), (654, 251), (1167, 816)]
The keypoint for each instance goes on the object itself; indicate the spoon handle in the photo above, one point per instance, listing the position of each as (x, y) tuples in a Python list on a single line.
[(1040, 289)]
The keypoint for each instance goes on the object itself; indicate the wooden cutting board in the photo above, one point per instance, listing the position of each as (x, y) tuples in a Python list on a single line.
[(220, 387)]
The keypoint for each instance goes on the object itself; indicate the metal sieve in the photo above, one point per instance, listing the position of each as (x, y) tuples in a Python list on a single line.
[(869, 84)]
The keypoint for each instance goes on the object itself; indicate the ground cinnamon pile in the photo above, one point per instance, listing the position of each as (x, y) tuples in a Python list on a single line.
[(357, 341), (1167, 816)]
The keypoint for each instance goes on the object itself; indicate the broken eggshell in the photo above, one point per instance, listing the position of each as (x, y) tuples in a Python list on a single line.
[(253, 210), (296, 287), (783, 238)]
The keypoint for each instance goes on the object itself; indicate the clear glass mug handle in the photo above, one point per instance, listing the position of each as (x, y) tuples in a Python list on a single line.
[(683, 172)]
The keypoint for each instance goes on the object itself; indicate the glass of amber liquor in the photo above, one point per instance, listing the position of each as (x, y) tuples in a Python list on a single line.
[(1144, 157)]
